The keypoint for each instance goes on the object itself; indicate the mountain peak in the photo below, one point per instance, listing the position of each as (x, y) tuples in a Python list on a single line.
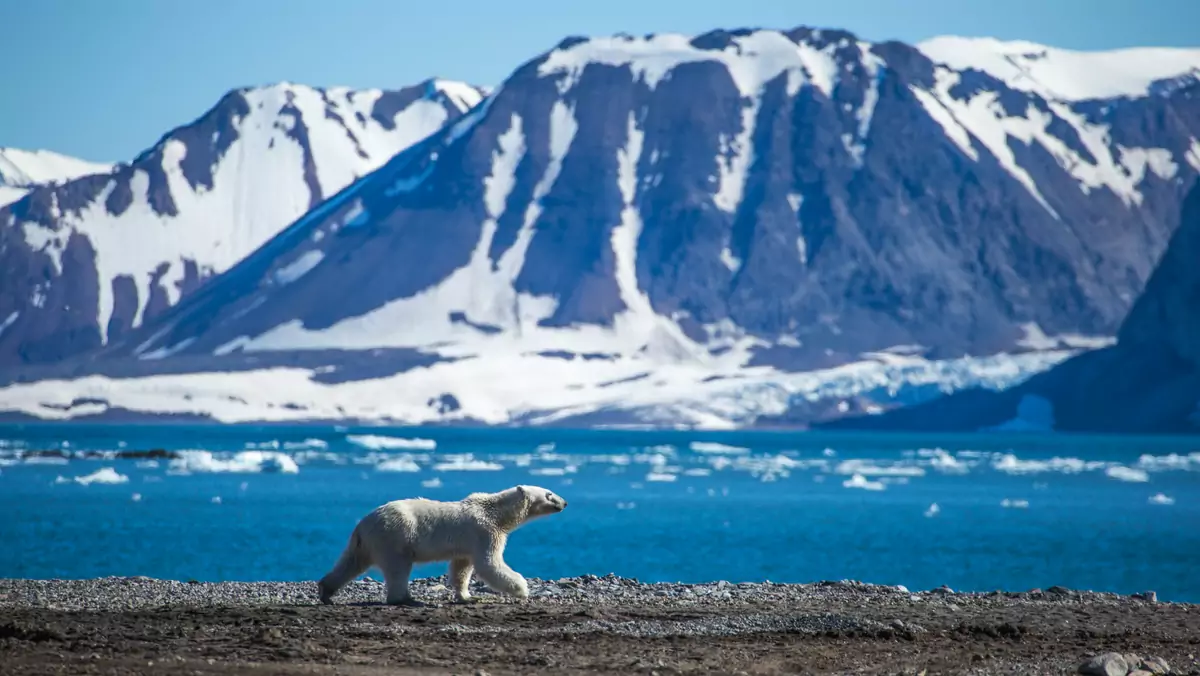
[(23, 170), (118, 249), (753, 57)]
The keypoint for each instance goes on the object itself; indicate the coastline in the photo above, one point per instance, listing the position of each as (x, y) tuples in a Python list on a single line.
[(585, 624)]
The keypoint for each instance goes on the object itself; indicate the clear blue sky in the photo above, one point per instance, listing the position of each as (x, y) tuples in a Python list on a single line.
[(103, 79)]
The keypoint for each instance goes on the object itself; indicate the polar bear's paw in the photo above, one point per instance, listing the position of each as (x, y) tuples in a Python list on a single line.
[(521, 589), (324, 594)]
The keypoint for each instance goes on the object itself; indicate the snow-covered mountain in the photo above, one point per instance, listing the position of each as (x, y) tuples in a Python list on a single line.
[(23, 170), (696, 230), (87, 260), (1147, 383)]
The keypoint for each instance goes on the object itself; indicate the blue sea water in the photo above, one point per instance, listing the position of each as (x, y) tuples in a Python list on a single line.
[(1013, 512)]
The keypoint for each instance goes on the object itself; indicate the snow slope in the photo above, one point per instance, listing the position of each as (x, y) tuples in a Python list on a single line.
[(1064, 74), (209, 193), (529, 389), (22, 170)]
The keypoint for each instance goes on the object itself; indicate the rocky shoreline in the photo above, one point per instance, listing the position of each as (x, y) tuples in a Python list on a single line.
[(587, 624)]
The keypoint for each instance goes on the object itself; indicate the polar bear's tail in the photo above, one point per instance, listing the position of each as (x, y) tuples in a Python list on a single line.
[(354, 561)]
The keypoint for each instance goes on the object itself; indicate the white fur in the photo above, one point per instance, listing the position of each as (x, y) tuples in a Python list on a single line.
[(470, 534)]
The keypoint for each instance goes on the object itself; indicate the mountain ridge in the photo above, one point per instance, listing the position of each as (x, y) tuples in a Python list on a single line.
[(629, 223), (191, 205)]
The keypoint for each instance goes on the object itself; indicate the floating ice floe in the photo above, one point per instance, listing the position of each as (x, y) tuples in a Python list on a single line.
[(714, 447), (867, 468), (196, 462), (104, 475), (553, 471), (466, 463), (376, 442), (860, 481), (1122, 473), (1160, 499), (402, 463)]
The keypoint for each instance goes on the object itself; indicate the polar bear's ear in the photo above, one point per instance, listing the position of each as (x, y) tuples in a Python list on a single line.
[(522, 492)]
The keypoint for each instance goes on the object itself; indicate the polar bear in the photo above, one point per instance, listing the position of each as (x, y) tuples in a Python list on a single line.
[(470, 534)]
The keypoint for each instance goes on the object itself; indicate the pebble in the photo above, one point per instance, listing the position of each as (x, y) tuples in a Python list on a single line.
[(1129, 664), (1105, 664), (142, 592)]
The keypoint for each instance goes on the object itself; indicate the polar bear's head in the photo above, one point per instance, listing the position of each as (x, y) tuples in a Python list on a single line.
[(541, 501), (512, 507)]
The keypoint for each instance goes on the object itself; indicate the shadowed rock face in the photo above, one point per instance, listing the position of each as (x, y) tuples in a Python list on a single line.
[(84, 262), (1149, 382), (826, 213)]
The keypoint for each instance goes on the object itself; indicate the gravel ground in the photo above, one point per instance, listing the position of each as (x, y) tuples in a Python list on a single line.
[(582, 625)]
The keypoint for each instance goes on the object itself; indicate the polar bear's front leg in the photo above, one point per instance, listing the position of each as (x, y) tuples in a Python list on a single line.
[(489, 562), (460, 578)]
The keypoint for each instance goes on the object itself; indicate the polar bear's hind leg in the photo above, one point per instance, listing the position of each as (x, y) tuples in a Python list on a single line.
[(354, 561), (395, 577)]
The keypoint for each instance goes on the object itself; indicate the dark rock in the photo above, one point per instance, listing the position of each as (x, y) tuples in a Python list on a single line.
[(1155, 665), (1107, 664)]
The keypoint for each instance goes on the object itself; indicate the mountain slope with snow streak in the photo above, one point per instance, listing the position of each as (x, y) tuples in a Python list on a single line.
[(88, 260), (23, 170), (676, 228)]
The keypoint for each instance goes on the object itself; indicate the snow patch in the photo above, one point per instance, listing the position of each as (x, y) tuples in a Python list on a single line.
[(9, 321), (303, 265), (508, 382), (734, 158), (752, 60), (1193, 155), (28, 168), (1062, 74), (461, 94)]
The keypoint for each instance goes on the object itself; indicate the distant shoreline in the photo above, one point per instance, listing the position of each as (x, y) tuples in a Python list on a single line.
[(8, 429)]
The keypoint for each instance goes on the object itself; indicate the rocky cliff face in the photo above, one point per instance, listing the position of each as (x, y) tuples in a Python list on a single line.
[(83, 262), (1149, 382), (630, 223)]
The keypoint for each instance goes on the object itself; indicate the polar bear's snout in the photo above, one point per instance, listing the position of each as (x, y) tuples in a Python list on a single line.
[(549, 503)]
